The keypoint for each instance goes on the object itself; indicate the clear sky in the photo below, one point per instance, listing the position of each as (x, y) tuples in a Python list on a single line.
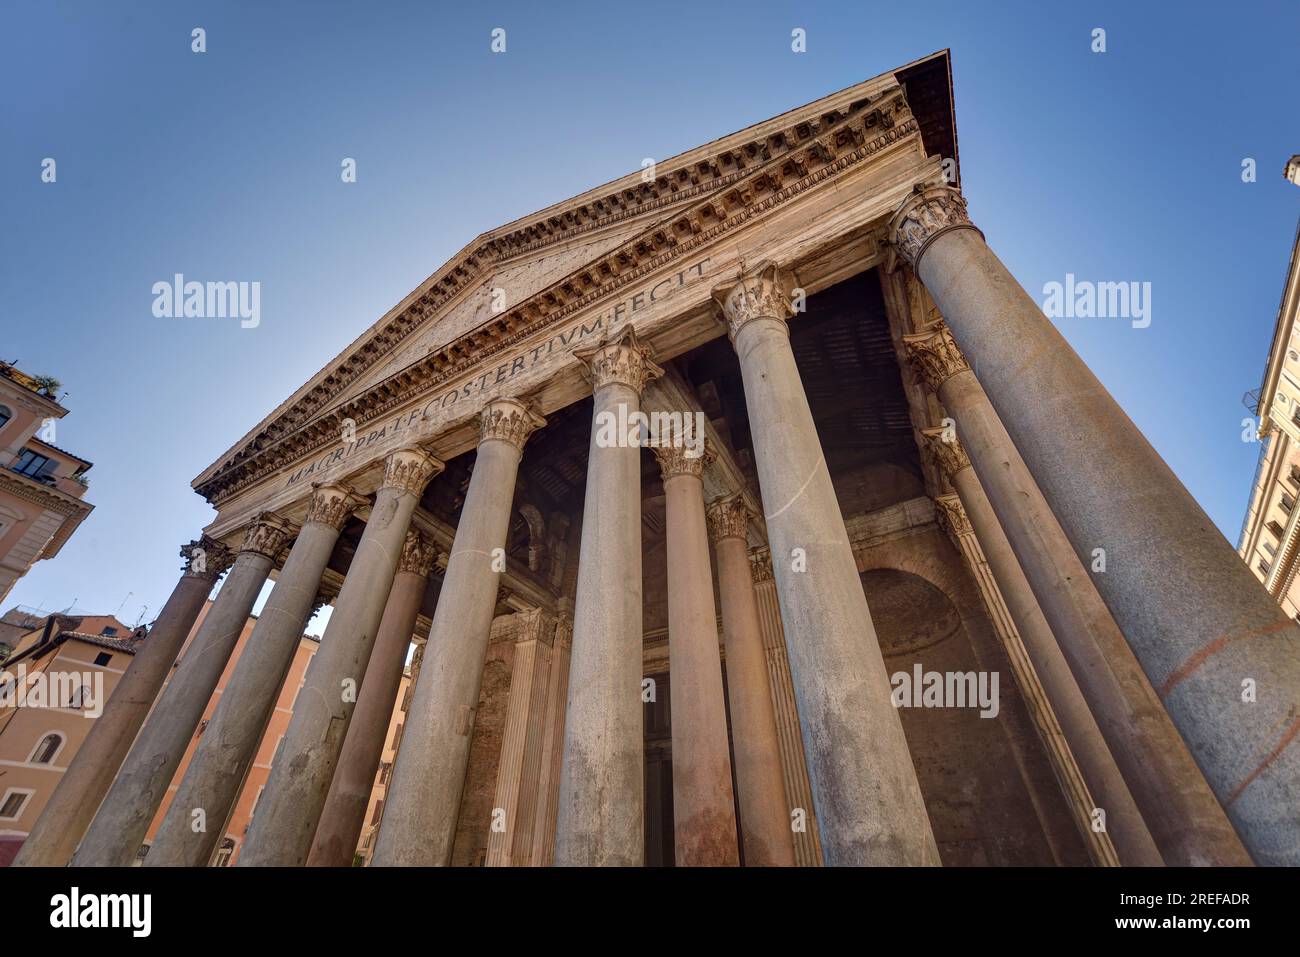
[(1116, 166)]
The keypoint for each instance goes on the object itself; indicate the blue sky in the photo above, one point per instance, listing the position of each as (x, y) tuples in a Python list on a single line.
[(225, 165)]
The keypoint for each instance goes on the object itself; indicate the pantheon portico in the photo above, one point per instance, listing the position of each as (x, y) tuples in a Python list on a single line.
[(631, 653)]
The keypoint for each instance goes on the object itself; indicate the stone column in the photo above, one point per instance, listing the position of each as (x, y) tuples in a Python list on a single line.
[(215, 776), (704, 807), (1223, 656), (1084, 766), (764, 814), (419, 825), (1180, 811), (119, 827), (549, 766), (602, 781), (794, 766), (344, 814), (287, 814), (868, 801), (90, 774), (519, 766)]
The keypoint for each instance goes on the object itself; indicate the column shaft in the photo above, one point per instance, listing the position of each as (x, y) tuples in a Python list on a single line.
[(704, 809), (602, 781), (419, 824), (90, 774), (120, 825), (215, 776), (287, 814), (868, 801), (1128, 832), (344, 814), (1203, 629), (764, 815), (1181, 812)]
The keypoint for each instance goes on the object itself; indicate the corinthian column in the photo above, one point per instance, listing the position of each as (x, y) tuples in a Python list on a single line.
[(90, 774), (865, 791), (289, 809), (764, 816), (215, 776), (1181, 813), (1103, 787), (704, 808), (602, 785), (1222, 655), (344, 813), (419, 824), (119, 827)]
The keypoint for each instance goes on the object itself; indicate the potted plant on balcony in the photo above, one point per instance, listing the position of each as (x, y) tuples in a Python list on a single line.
[(47, 384)]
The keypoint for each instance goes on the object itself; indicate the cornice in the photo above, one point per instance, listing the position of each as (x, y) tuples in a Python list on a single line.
[(800, 158), (38, 494)]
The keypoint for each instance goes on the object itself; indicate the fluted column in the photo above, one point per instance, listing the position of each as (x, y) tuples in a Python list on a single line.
[(120, 825), (602, 780), (289, 809), (549, 767), (1089, 776), (1222, 655), (419, 825), (90, 774), (764, 815), (519, 765), (794, 766), (868, 800), (215, 776), (344, 814), (704, 808), (1178, 807)]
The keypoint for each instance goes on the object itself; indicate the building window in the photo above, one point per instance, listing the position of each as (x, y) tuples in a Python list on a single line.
[(397, 737), (47, 748), (12, 804), (5, 415), (108, 632), (78, 697), (34, 465), (385, 769), (1264, 566), (1287, 503), (1271, 549), (379, 811), (103, 658), (1275, 528), (1294, 476)]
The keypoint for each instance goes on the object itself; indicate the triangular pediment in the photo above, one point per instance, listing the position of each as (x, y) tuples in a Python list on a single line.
[(568, 253)]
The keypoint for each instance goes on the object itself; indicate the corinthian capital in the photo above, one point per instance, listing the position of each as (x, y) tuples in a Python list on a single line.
[(760, 564), (947, 451), (934, 355), (760, 293), (331, 504), (409, 470), (206, 558), (925, 216), (510, 420), (418, 553), (729, 518), (620, 358), (682, 460), (267, 535), (952, 516)]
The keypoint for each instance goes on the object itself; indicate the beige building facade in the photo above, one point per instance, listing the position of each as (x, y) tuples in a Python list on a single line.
[(743, 504), (1270, 536), (41, 485)]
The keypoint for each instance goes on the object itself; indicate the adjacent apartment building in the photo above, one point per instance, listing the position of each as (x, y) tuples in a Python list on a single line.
[(41, 485), (38, 741), (1270, 534)]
